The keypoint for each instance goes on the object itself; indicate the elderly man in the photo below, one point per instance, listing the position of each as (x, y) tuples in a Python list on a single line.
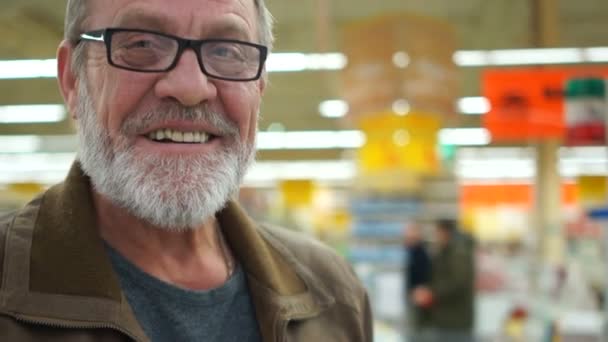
[(142, 240)]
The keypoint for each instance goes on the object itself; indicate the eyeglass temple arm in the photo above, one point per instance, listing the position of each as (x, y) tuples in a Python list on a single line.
[(93, 35)]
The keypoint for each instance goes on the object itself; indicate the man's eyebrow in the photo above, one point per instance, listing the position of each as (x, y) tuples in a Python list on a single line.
[(230, 30), (142, 19)]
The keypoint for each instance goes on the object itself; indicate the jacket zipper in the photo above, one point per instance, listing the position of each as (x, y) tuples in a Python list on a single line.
[(40, 321)]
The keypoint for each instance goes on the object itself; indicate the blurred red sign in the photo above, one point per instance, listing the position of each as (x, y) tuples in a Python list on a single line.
[(528, 102)]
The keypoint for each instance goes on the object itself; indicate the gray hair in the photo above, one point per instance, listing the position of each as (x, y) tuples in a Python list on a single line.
[(76, 13)]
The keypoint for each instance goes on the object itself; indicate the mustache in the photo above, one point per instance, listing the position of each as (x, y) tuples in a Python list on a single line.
[(137, 123)]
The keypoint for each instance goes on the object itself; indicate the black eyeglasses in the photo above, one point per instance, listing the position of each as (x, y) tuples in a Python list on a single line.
[(149, 51)]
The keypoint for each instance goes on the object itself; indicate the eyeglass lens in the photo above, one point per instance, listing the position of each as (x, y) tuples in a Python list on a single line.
[(153, 52)]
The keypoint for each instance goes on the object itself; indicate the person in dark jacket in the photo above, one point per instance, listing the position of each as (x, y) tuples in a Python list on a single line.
[(417, 273), (452, 284)]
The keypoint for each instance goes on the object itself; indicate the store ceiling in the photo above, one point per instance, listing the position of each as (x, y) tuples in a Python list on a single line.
[(33, 28)]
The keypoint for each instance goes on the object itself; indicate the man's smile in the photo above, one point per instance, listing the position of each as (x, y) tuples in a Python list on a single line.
[(168, 135)]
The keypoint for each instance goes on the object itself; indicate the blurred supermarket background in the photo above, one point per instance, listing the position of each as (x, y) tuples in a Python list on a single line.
[(384, 113)]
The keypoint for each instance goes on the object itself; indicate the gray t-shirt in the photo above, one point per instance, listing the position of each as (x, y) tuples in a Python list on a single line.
[(170, 313)]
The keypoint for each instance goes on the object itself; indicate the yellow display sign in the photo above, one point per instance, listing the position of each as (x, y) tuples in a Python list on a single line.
[(395, 142)]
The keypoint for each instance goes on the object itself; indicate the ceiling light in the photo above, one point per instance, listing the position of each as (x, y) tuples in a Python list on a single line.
[(292, 62), (536, 56), (33, 68), (318, 170), (309, 140), (401, 107), (598, 54), (470, 58), (38, 143), (464, 136), (32, 113), (466, 105), (480, 58), (44, 168), (333, 108), (19, 144), (401, 59), (473, 105)]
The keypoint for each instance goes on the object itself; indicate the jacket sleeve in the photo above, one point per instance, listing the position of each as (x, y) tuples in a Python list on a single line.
[(457, 277), (368, 321)]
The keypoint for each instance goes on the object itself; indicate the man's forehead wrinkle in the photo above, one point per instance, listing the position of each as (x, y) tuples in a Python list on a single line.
[(241, 10), (242, 19), (141, 16)]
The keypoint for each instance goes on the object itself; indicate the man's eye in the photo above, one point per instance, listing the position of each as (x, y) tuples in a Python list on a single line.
[(222, 51), (145, 44), (229, 52)]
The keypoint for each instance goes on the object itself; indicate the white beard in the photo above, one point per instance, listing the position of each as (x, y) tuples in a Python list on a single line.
[(173, 193)]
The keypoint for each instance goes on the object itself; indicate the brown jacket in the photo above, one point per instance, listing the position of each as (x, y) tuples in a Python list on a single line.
[(58, 283)]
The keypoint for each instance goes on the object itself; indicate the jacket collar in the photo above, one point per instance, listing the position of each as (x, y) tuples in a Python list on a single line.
[(70, 271)]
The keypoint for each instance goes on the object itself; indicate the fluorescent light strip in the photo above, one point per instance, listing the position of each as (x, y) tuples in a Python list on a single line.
[(294, 61), (473, 105), (38, 143), (480, 58), (464, 136), (319, 170), (32, 113), (597, 54), (536, 56), (28, 68), (309, 140), (20, 144)]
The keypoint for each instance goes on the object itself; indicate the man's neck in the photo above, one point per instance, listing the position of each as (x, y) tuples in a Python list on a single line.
[(195, 259)]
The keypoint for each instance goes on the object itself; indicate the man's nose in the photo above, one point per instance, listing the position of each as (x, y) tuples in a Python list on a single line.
[(186, 82)]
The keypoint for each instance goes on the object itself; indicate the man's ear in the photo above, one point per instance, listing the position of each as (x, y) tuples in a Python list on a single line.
[(66, 77)]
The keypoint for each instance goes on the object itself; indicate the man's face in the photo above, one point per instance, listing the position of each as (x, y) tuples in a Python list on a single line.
[(120, 111)]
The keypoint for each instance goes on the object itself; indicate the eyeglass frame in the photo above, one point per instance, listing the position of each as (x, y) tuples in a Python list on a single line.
[(183, 44)]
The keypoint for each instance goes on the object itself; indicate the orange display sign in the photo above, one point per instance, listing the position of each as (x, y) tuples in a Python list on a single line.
[(528, 103), (522, 195)]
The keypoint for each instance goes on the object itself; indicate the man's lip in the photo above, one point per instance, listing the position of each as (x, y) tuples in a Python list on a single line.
[(184, 127), (173, 148)]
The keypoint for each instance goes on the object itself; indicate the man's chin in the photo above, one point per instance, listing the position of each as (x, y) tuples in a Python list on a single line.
[(170, 213)]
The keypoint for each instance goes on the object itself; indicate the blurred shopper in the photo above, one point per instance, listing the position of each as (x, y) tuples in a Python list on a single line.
[(143, 240), (417, 272), (452, 284)]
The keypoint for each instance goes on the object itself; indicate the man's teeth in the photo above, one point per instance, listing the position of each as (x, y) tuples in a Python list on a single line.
[(177, 136)]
